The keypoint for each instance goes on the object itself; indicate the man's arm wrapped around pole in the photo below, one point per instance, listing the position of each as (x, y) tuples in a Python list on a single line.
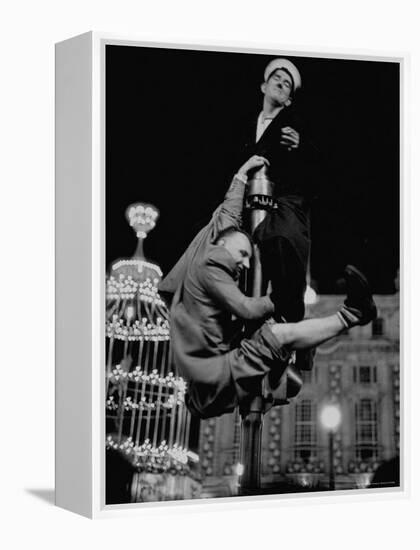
[(228, 214)]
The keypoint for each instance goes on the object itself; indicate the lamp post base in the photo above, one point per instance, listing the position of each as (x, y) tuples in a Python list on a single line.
[(251, 434)]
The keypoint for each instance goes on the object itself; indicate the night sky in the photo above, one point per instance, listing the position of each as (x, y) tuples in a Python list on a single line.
[(168, 117)]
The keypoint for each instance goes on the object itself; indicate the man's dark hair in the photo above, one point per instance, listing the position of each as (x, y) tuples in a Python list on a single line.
[(231, 231)]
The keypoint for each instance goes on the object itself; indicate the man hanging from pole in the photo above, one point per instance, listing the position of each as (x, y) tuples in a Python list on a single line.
[(222, 372)]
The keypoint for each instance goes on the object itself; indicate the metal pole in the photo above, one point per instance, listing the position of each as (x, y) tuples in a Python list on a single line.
[(251, 432), (259, 200), (331, 459)]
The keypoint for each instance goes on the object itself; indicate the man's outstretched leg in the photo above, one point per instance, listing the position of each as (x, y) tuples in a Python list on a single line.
[(358, 309)]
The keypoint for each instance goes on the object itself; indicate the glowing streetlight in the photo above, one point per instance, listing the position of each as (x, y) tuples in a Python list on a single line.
[(330, 418), (310, 296)]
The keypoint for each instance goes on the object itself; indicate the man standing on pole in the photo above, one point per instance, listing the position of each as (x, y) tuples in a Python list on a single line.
[(279, 134), (222, 371)]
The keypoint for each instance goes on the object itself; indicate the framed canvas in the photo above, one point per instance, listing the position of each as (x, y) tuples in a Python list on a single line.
[(148, 139)]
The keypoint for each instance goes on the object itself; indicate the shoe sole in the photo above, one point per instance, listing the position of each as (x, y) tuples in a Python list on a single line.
[(351, 270)]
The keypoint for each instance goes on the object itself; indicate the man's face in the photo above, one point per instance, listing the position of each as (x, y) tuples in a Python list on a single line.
[(278, 87), (240, 248)]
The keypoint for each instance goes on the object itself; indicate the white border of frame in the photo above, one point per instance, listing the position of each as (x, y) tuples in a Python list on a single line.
[(87, 453)]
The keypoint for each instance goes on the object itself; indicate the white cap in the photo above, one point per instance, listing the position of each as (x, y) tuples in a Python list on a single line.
[(281, 63)]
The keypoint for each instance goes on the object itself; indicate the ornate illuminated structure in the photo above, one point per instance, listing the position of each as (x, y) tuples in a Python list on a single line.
[(147, 421)]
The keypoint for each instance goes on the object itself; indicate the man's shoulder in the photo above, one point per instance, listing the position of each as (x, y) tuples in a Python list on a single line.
[(216, 253), (244, 123), (289, 115), (218, 256)]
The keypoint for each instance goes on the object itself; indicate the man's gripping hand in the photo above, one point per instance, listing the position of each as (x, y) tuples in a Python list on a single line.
[(251, 164)]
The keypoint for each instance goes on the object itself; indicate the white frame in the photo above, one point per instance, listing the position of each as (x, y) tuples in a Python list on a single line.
[(80, 275)]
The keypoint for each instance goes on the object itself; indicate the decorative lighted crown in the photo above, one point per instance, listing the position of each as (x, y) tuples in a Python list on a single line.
[(142, 218)]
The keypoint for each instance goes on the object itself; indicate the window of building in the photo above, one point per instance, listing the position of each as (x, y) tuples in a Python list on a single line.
[(366, 430), (364, 374), (309, 376), (378, 326), (305, 430)]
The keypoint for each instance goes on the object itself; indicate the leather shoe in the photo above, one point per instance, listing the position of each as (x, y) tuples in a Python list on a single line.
[(359, 307)]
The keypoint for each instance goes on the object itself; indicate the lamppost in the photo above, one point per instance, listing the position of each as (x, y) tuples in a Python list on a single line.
[(330, 420), (259, 201)]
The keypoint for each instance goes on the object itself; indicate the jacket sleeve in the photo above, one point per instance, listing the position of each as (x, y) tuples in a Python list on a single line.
[(216, 278), (229, 213)]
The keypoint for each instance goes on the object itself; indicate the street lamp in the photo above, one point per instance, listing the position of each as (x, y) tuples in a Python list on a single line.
[(310, 296), (259, 201), (331, 419)]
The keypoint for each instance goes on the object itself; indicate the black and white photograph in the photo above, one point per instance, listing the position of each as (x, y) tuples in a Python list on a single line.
[(210, 274), (252, 296)]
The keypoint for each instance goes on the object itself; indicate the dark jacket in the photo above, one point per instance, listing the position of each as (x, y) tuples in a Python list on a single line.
[(294, 173), (291, 171)]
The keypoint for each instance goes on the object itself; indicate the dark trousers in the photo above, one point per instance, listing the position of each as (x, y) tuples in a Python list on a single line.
[(285, 268), (282, 266)]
